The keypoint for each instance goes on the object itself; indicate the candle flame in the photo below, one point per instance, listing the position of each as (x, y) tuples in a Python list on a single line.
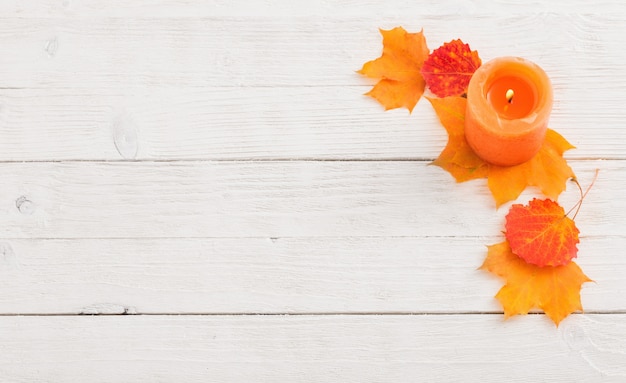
[(509, 95)]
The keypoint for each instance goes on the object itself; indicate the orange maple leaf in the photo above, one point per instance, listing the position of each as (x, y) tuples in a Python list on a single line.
[(547, 170), (540, 233), (553, 289), (449, 68), (457, 157), (398, 68)]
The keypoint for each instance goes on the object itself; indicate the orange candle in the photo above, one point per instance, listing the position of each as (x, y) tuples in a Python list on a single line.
[(509, 100)]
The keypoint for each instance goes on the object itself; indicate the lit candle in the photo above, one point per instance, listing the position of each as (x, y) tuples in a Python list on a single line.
[(509, 100)]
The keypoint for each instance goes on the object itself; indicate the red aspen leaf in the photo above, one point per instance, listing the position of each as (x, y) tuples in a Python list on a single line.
[(398, 68), (555, 290), (540, 233), (449, 68), (547, 170)]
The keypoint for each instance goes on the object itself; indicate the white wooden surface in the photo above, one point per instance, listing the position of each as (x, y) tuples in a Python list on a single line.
[(212, 170)]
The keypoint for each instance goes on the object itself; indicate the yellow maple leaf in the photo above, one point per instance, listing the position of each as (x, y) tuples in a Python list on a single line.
[(398, 68), (553, 289), (547, 170), (457, 157)]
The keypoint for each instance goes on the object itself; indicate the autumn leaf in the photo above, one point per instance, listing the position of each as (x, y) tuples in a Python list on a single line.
[(457, 157), (398, 68), (540, 233), (555, 290), (449, 68), (547, 170)]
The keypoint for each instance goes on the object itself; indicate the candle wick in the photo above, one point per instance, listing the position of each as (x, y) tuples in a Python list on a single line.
[(509, 95)]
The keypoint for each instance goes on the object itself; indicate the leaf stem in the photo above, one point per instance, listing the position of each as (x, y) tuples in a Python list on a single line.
[(582, 194)]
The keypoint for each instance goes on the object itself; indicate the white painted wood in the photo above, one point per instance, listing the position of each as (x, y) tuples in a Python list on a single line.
[(210, 88), (211, 123), (468, 348), (153, 100), (258, 123), (283, 8), (286, 275), (127, 54), (272, 199)]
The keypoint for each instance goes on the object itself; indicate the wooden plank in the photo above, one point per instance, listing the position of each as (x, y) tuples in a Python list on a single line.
[(101, 89), (288, 275), (125, 54), (254, 123), (210, 123), (284, 8), (468, 348), (272, 199)]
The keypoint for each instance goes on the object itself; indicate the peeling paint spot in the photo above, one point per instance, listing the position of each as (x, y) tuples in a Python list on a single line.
[(124, 133), (52, 46), (7, 254), (25, 206), (107, 309), (575, 337)]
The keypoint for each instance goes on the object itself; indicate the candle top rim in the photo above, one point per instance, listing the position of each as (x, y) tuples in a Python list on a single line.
[(516, 67)]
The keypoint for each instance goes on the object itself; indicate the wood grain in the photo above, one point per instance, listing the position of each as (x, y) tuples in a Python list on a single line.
[(271, 199), (312, 349), (271, 275), (235, 88), (168, 158), (126, 54), (287, 8), (245, 123)]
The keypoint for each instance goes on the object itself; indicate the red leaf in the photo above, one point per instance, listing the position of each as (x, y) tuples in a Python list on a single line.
[(541, 234), (449, 68)]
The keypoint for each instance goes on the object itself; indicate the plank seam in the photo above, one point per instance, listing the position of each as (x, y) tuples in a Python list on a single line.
[(268, 160), (302, 314)]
